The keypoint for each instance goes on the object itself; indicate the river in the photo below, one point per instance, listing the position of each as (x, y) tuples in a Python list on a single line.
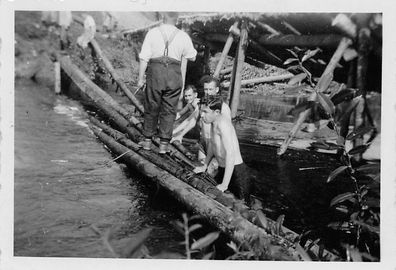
[(66, 181)]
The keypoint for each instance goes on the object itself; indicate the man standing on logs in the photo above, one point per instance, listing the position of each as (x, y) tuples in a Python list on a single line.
[(163, 51), (232, 174)]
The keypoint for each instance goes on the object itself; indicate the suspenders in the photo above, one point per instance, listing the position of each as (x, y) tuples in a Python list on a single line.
[(167, 40)]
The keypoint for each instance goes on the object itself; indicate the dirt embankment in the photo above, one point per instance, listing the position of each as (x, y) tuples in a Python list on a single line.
[(36, 42)]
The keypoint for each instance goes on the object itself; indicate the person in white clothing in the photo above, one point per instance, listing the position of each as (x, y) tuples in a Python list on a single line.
[(162, 54)]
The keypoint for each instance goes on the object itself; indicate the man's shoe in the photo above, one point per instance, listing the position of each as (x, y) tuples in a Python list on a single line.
[(146, 144), (163, 148)]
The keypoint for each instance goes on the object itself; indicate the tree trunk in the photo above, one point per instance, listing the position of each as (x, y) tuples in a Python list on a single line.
[(243, 39), (88, 87), (116, 78), (224, 53)]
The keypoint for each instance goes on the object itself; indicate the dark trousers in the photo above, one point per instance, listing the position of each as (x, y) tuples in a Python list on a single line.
[(241, 181), (164, 83)]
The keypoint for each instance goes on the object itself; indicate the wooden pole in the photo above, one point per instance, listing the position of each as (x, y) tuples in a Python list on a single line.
[(232, 80), (116, 78), (57, 71), (226, 49), (238, 73), (322, 85), (361, 82), (262, 80)]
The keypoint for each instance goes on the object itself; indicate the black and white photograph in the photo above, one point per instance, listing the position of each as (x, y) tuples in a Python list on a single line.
[(197, 134)]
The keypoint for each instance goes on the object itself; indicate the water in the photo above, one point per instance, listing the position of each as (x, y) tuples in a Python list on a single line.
[(65, 182), (268, 107)]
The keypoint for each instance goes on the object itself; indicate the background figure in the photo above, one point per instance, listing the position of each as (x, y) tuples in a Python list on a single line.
[(163, 50), (187, 117)]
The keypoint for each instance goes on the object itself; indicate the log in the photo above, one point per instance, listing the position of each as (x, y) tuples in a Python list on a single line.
[(93, 91), (309, 41), (226, 49), (115, 76), (345, 24), (57, 72), (243, 40), (262, 80), (231, 223), (143, 161), (268, 28), (289, 40), (142, 29), (321, 86), (225, 71), (361, 83)]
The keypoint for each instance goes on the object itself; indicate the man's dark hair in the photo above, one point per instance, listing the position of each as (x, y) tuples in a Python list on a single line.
[(209, 79), (214, 103), (192, 87)]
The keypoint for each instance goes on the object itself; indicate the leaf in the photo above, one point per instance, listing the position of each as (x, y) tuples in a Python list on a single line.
[(320, 145), (279, 222), (297, 79), (302, 107), (355, 255), (342, 209), (369, 168), (309, 54), (194, 227), (358, 149), (324, 82), (359, 132), (208, 256), (294, 67), (290, 60), (341, 198), (374, 229), (205, 241), (292, 52), (346, 113), (136, 242), (304, 255), (344, 95), (335, 173), (262, 219), (326, 103), (233, 246)]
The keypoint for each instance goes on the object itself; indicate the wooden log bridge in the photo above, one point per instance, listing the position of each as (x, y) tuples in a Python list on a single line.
[(197, 192)]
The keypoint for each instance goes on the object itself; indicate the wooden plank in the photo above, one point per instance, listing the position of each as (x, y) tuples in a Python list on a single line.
[(238, 71)]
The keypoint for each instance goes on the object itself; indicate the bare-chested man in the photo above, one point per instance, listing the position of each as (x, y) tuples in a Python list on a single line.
[(224, 146)]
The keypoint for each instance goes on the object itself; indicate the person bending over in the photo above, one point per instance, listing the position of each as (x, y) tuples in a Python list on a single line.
[(232, 174)]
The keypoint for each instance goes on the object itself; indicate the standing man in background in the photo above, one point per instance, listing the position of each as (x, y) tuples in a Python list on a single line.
[(165, 49)]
